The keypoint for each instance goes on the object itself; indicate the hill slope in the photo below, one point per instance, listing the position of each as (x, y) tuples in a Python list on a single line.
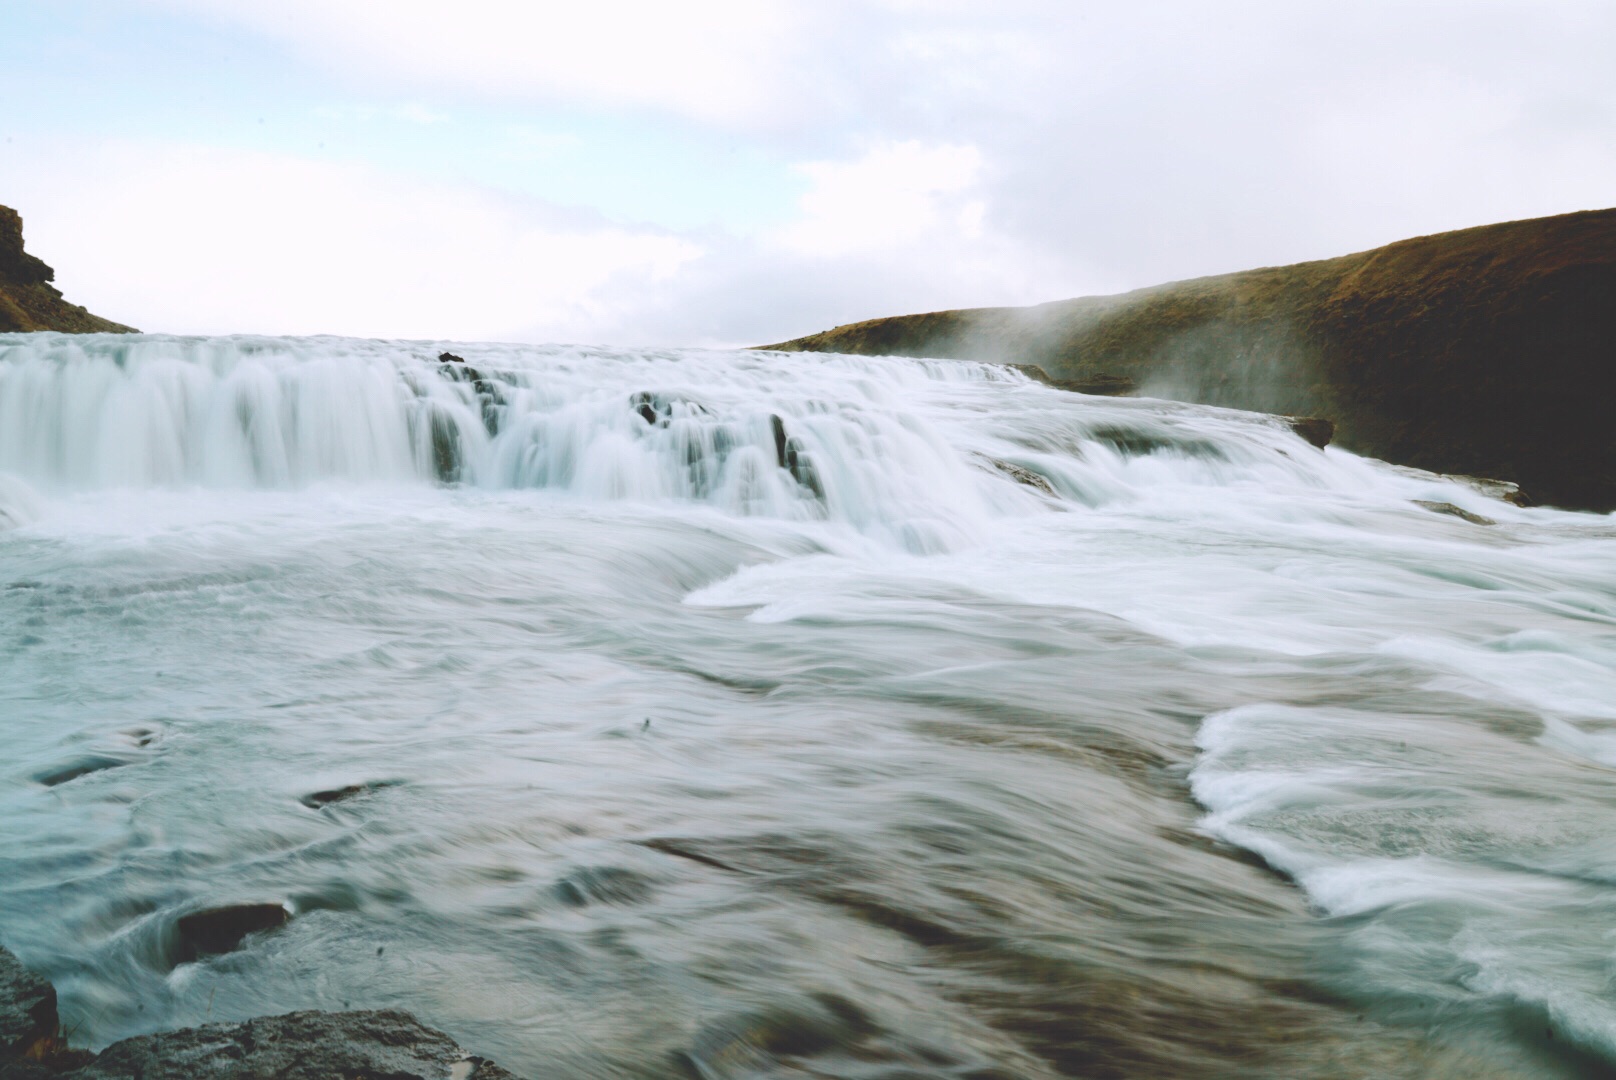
[(1489, 351), (27, 299)]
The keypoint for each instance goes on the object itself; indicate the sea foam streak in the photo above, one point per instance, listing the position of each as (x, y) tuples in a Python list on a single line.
[(741, 713)]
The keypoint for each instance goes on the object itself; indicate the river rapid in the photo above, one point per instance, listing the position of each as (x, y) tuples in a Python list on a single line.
[(632, 713)]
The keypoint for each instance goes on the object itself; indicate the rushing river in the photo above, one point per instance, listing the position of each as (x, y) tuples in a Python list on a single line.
[(680, 713)]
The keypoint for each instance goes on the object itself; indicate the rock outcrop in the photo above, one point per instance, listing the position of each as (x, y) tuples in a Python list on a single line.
[(297, 1046), (1489, 351), (28, 300)]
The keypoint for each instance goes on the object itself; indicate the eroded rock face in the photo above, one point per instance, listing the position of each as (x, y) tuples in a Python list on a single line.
[(376, 1045), (28, 301)]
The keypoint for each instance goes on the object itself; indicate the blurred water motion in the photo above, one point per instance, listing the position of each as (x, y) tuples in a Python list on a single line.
[(640, 714)]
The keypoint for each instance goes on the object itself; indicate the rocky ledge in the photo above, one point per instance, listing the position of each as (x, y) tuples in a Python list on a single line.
[(298, 1046), (28, 300), (1488, 351)]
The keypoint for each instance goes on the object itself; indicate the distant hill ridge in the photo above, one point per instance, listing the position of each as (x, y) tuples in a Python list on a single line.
[(28, 300), (1489, 351)]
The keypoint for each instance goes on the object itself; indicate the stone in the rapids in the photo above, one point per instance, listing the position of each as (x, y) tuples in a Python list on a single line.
[(1453, 511), (1315, 429), (220, 930)]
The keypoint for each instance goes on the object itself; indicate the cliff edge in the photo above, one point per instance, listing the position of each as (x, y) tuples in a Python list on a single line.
[(28, 301), (1489, 351)]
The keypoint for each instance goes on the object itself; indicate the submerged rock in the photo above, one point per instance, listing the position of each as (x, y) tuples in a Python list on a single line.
[(80, 766), (1021, 474), (1453, 511)]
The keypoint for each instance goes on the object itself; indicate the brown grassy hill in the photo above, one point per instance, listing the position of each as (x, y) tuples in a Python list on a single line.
[(1488, 351), (27, 299)]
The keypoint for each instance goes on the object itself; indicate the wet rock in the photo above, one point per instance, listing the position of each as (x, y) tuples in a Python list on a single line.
[(1099, 384), (1138, 442), (1453, 511), (446, 451), (1314, 429), (1495, 489), (77, 767), (779, 427), (450, 358), (298, 1046), (657, 409), (317, 799), (380, 1045), (801, 467), (27, 1007), (1021, 475), (220, 930)]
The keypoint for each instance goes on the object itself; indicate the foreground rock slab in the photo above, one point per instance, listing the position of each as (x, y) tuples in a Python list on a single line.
[(27, 1007), (376, 1045)]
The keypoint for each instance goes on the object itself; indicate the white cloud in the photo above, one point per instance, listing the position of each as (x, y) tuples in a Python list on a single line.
[(715, 60), (894, 195), (187, 239)]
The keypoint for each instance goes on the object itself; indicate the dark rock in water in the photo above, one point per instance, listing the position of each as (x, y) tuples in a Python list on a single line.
[(317, 799), (220, 930), (779, 427), (450, 358), (801, 466), (382, 1045), (1138, 442), (1021, 475), (27, 1008), (1454, 511), (1100, 384), (657, 409), (379, 1045), (81, 766), (1495, 489), (446, 456), (1315, 429)]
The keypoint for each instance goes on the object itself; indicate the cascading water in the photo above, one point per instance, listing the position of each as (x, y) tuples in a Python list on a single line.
[(647, 713)]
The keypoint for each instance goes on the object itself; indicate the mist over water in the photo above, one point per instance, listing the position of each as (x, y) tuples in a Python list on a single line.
[(650, 713)]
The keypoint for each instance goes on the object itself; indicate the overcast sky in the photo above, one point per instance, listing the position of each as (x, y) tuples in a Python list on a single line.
[(718, 172)]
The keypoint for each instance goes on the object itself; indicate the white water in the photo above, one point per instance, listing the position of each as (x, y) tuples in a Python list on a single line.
[(676, 747)]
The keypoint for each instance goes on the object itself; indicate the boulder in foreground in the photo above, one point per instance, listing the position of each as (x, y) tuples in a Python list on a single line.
[(377, 1045)]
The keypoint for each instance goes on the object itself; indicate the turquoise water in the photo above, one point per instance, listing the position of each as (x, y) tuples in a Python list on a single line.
[(742, 714)]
